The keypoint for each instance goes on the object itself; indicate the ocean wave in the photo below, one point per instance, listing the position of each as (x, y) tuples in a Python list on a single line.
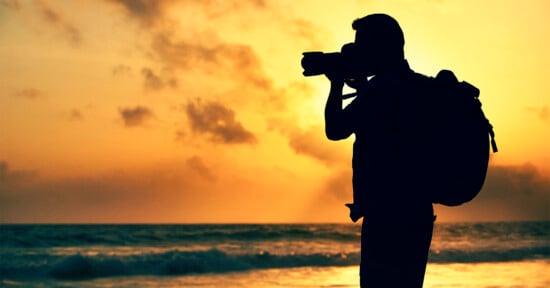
[(490, 255), (175, 262), (46, 236), (91, 251), (32, 236)]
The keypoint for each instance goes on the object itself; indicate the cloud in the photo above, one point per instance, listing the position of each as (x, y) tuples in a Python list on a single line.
[(135, 116), (30, 94), (543, 113), (213, 9), (201, 55), (75, 115), (523, 188), (155, 194), (58, 21), (121, 69), (10, 177), (510, 193), (180, 190), (10, 4), (313, 143), (339, 186), (181, 44), (218, 122), (149, 12), (219, 60), (334, 191), (518, 192), (197, 165), (314, 35), (154, 82)]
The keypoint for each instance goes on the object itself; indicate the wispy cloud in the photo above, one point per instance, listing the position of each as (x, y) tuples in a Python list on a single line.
[(218, 122), (148, 12), (197, 165), (121, 69), (10, 4), (135, 116), (106, 197), (219, 59), (313, 143), (152, 81), (339, 186), (10, 177), (306, 30), (75, 115), (29, 93), (215, 9), (55, 19), (543, 113), (518, 192)]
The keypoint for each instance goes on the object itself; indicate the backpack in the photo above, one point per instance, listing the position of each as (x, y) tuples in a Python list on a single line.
[(460, 140)]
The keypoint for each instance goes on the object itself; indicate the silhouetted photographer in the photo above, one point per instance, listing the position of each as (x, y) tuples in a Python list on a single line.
[(418, 140)]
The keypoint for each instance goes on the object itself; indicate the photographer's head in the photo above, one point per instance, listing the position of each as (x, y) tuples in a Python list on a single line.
[(380, 40)]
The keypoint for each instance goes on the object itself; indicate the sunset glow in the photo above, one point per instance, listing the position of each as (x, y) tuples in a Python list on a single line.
[(197, 111)]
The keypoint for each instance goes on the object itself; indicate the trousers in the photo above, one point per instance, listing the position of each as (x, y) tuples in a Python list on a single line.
[(394, 253)]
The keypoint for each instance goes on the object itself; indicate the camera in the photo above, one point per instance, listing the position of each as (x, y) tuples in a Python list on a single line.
[(347, 62)]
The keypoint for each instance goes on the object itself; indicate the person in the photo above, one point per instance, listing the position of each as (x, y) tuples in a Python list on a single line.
[(386, 118)]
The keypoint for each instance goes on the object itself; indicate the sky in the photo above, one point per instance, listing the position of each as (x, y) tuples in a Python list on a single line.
[(144, 111)]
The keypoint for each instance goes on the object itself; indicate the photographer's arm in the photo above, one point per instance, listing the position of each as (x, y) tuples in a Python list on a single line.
[(337, 124)]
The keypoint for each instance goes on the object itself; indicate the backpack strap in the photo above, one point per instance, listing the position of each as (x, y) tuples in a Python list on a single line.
[(492, 134), (465, 86)]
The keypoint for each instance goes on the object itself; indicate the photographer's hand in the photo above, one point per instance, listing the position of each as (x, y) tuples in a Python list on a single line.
[(336, 79), (336, 126)]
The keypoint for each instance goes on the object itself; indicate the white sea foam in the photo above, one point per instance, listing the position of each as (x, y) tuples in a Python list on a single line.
[(67, 252)]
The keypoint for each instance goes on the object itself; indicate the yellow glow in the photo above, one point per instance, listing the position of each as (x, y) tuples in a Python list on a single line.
[(64, 81)]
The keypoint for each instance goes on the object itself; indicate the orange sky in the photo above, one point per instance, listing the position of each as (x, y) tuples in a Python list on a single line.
[(197, 111)]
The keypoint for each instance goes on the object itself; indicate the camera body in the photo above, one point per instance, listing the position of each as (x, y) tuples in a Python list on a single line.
[(347, 62)]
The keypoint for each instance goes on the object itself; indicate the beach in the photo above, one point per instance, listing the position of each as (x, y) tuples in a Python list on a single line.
[(494, 275)]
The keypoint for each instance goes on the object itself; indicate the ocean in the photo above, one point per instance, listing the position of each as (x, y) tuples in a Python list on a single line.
[(259, 255)]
